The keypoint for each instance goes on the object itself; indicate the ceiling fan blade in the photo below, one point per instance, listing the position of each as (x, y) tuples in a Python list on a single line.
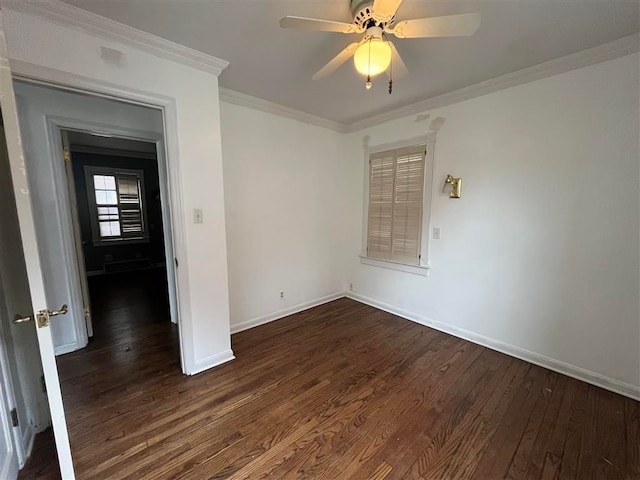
[(384, 10), (319, 25), (337, 61), (449, 26), (398, 68)]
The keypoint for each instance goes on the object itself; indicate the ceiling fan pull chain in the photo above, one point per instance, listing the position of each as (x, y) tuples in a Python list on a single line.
[(391, 75), (368, 84)]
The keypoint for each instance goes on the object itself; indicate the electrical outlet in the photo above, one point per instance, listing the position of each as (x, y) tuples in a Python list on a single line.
[(351, 287), (282, 294)]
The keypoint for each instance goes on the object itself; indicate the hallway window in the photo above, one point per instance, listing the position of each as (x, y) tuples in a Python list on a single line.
[(115, 199)]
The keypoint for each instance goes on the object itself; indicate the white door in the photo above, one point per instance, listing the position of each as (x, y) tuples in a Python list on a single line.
[(29, 248), (82, 269)]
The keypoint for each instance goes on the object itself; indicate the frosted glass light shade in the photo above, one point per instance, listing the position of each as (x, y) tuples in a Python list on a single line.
[(372, 57)]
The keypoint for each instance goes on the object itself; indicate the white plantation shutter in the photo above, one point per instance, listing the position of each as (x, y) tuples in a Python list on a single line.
[(130, 204), (116, 203), (394, 227), (407, 205), (381, 173)]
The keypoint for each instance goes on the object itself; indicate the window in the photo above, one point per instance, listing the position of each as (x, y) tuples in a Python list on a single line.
[(396, 179), (397, 207), (116, 204)]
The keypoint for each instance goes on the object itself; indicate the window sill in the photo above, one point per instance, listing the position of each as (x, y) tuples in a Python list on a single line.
[(421, 270)]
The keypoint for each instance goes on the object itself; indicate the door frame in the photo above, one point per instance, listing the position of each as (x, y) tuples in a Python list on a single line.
[(8, 398), (9, 468), (56, 126), (45, 76)]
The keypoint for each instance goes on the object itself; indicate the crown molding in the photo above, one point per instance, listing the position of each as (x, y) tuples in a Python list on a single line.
[(237, 98), (66, 15), (583, 58)]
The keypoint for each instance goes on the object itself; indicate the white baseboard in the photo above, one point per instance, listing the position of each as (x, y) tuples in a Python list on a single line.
[(28, 437), (212, 361), (564, 368), (285, 312), (67, 348)]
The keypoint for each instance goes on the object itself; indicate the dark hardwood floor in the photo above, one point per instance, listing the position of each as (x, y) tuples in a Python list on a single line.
[(339, 391)]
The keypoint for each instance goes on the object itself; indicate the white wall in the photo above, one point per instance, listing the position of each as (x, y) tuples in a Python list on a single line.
[(541, 255), (284, 191), (35, 105), (193, 143)]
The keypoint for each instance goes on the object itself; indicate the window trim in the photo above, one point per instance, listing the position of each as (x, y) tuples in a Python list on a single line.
[(89, 171), (423, 267)]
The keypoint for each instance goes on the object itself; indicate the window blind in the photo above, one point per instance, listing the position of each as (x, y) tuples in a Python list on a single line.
[(116, 202), (130, 204), (394, 228)]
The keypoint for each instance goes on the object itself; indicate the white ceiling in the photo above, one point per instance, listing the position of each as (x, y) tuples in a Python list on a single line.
[(276, 64)]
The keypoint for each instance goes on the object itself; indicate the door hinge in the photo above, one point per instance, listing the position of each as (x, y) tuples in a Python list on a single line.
[(43, 384), (14, 418), (66, 155), (176, 260), (87, 312)]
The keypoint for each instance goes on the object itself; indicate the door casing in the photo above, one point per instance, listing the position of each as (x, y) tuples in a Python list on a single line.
[(167, 149)]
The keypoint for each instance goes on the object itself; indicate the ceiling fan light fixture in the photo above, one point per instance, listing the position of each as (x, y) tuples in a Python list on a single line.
[(372, 57)]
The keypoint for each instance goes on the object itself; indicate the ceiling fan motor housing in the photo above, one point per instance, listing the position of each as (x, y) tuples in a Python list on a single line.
[(362, 11)]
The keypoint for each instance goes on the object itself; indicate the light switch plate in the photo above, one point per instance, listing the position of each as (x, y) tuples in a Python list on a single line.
[(436, 233), (197, 215)]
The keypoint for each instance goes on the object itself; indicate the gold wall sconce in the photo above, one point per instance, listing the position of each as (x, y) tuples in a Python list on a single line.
[(456, 186)]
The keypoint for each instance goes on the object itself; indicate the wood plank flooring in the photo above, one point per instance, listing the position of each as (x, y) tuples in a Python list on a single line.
[(339, 391)]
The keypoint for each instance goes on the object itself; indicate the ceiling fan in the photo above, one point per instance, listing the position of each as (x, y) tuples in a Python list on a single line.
[(376, 19)]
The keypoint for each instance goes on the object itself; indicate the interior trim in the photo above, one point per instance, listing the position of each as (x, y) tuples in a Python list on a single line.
[(285, 312), (212, 361), (69, 16), (599, 380), (584, 58), (236, 98)]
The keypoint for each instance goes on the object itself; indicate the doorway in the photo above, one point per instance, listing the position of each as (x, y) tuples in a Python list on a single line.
[(116, 205), (100, 195), (118, 222)]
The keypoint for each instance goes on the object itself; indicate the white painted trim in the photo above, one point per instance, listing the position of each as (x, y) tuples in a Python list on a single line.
[(390, 264), (28, 439), (212, 361), (428, 189), (77, 83), (9, 470), (601, 53), (243, 100), (8, 383), (564, 368), (584, 58), (68, 239), (69, 16), (67, 348), (285, 312)]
